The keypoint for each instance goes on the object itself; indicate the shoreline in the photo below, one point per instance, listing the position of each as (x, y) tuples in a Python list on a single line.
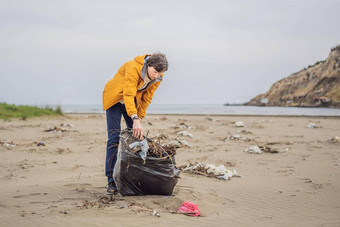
[(222, 115)]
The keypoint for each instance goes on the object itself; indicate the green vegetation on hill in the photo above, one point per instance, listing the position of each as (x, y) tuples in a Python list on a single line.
[(336, 48), (8, 111)]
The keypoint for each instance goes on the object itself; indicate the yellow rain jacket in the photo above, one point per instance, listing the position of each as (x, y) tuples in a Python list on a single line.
[(125, 84)]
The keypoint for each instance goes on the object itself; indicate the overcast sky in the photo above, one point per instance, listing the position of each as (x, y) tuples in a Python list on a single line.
[(63, 52)]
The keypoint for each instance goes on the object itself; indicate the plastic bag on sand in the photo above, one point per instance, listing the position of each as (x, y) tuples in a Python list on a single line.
[(189, 209), (135, 176)]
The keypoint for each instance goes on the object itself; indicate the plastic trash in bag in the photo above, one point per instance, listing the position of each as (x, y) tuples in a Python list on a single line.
[(156, 175), (143, 145)]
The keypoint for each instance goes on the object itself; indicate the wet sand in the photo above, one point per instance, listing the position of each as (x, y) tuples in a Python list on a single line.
[(63, 182)]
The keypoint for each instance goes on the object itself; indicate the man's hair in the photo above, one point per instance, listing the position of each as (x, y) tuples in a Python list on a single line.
[(158, 61)]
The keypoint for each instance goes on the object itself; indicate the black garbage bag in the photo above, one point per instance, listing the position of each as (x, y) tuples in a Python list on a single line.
[(135, 176)]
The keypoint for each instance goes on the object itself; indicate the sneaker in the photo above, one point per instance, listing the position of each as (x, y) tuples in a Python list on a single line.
[(112, 189)]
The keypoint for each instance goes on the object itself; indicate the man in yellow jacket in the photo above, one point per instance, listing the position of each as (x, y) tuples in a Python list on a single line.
[(129, 93)]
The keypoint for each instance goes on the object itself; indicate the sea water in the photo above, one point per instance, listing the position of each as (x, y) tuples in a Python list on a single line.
[(214, 109)]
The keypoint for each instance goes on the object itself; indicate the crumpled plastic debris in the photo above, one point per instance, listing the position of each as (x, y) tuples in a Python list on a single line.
[(268, 149), (313, 125), (41, 144), (237, 138), (243, 131), (155, 213), (121, 206), (260, 149), (215, 170), (185, 143), (253, 149), (182, 125), (143, 145), (185, 133), (189, 208), (7, 143), (239, 124), (179, 143), (56, 130), (175, 143), (220, 172), (335, 139), (67, 125), (233, 137)]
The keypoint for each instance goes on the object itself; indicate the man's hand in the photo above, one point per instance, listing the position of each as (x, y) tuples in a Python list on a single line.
[(137, 129)]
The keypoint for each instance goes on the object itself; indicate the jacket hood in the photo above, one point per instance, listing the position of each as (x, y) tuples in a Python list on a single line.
[(140, 59)]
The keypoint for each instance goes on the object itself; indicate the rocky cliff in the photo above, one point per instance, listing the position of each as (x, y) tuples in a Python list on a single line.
[(316, 85)]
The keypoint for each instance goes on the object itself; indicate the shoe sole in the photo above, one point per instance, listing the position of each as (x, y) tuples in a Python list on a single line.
[(111, 193)]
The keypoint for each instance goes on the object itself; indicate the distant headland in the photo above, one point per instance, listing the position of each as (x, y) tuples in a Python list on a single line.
[(316, 85)]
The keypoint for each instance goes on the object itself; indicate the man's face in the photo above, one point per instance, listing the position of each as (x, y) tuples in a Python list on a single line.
[(153, 74)]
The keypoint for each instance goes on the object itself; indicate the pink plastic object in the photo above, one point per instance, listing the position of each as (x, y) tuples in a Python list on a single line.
[(189, 209)]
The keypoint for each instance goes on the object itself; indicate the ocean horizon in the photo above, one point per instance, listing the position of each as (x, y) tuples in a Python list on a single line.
[(214, 109)]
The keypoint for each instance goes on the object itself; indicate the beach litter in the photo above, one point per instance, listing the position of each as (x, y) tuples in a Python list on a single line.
[(253, 150), (67, 125), (178, 143), (239, 124), (243, 131), (56, 130), (185, 133), (121, 206), (175, 143), (267, 149), (61, 128), (313, 125), (182, 125), (40, 144), (209, 170), (237, 138), (335, 139), (161, 118), (260, 149), (190, 209), (267, 121), (155, 213), (185, 143), (8, 144)]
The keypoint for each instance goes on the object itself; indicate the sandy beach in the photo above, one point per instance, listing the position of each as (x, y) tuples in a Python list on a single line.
[(57, 178)]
